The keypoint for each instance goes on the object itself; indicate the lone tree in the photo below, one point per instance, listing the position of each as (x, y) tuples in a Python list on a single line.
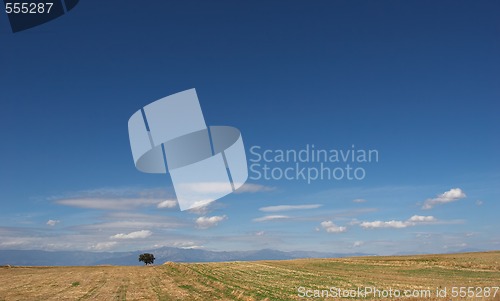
[(147, 258)]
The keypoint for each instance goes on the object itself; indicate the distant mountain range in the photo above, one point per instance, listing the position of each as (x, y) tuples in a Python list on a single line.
[(81, 258)]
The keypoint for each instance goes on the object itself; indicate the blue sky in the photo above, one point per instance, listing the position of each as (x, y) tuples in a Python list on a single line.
[(416, 80)]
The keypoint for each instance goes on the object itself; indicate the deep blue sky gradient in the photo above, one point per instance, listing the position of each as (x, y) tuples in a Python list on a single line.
[(417, 80)]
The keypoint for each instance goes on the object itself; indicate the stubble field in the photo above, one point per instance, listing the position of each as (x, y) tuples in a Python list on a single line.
[(263, 280)]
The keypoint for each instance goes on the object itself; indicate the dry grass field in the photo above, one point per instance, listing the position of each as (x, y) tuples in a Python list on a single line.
[(262, 280)]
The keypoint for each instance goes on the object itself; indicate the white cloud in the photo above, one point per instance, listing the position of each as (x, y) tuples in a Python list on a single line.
[(270, 218), (455, 246), (330, 227), (207, 187), (120, 222), (15, 242), (220, 187), (108, 203), (127, 225), (202, 210), (193, 247), (124, 198), (52, 222), (448, 196), (73, 238), (359, 201), (479, 203), (260, 233), (202, 203), (204, 222), (252, 188), (357, 244), (182, 245), (420, 218), (412, 221), (381, 224), (289, 207), (167, 204), (354, 221), (423, 235), (133, 235), (103, 246)]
